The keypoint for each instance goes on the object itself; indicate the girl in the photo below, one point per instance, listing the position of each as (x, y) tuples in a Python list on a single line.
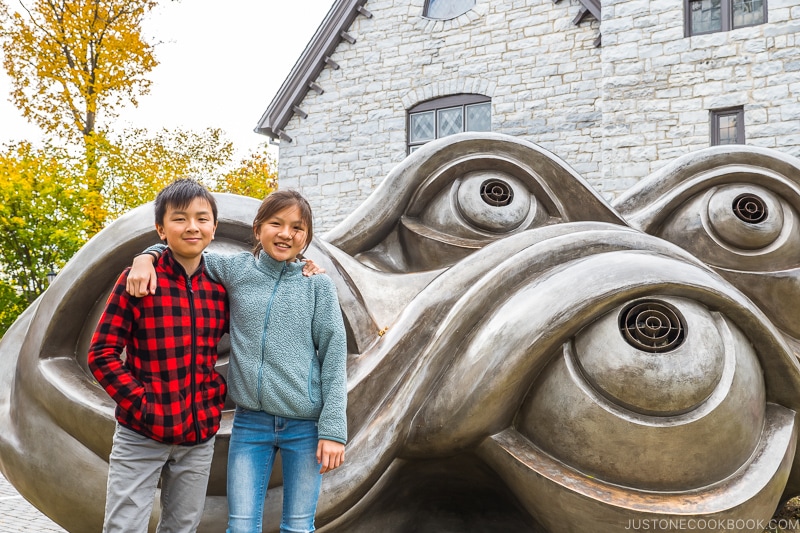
[(287, 371)]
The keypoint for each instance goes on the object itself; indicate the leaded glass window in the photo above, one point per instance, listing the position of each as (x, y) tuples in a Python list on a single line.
[(479, 117), (447, 9), (709, 16), (448, 115), (450, 121), (748, 13), (422, 127)]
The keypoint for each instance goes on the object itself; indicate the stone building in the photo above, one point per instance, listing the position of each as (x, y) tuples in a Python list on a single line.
[(616, 90)]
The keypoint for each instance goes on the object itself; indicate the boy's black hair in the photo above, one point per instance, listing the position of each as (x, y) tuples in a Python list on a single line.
[(179, 194)]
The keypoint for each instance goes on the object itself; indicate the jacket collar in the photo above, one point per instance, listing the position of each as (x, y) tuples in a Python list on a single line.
[(174, 269), (275, 268)]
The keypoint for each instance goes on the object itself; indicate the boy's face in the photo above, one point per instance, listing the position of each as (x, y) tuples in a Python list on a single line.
[(188, 231), (283, 235)]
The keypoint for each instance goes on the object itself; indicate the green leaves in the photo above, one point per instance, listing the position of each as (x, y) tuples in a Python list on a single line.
[(45, 214), (73, 64), (41, 218)]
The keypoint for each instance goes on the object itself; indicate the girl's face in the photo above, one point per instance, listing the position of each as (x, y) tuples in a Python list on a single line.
[(283, 235)]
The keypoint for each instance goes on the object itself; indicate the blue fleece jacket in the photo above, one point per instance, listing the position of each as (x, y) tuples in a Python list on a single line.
[(288, 342)]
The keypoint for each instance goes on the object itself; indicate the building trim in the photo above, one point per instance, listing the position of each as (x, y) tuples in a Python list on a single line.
[(330, 33), (317, 55), (588, 7)]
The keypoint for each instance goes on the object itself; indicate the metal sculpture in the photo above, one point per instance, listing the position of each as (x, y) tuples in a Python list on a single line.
[(523, 355)]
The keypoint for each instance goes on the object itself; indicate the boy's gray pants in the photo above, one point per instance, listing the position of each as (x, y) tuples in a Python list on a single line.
[(135, 465)]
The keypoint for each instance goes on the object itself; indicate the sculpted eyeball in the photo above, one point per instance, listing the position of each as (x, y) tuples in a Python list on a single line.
[(481, 206), (746, 217), (737, 226), (646, 356), (494, 201), (469, 190), (474, 209), (641, 385)]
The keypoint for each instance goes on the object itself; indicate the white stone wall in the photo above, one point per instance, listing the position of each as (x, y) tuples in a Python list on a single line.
[(614, 113), (659, 86)]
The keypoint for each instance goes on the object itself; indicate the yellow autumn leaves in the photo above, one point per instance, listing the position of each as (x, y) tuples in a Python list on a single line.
[(73, 65)]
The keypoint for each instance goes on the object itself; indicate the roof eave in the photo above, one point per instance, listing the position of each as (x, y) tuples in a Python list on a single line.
[(308, 67), (593, 6)]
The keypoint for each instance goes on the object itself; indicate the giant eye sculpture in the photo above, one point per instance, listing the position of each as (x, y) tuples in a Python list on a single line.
[(523, 355)]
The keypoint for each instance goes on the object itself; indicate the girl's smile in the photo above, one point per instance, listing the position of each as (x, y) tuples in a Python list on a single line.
[(283, 235)]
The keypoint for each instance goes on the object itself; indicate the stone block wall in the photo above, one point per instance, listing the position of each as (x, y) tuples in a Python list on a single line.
[(614, 113), (659, 86)]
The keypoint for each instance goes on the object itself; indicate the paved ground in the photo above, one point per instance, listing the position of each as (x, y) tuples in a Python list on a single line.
[(19, 516)]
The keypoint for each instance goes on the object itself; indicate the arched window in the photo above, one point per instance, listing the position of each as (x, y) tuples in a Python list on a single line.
[(446, 9), (448, 115)]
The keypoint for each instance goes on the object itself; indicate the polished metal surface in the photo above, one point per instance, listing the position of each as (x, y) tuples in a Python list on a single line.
[(524, 356)]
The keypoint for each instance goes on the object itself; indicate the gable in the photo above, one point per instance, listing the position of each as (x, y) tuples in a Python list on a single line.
[(317, 55)]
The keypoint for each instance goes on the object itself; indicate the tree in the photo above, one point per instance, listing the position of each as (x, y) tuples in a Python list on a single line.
[(137, 164), (12, 304), (41, 221), (73, 65), (72, 62), (256, 176), (42, 217)]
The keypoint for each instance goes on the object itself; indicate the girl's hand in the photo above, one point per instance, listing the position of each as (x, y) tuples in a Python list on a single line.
[(142, 276), (330, 455), (311, 268)]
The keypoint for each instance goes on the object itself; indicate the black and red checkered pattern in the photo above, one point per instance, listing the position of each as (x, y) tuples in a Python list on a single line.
[(156, 355)]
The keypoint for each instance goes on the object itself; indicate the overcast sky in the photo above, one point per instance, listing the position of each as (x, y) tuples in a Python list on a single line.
[(221, 63)]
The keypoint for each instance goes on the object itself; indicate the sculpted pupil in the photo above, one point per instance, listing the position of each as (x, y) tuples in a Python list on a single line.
[(750, 208), (497, 193), (652, 326)]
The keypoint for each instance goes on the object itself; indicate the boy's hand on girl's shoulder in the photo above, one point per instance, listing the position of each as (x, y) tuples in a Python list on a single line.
[(310, 268), (330, 455), (142, 277)]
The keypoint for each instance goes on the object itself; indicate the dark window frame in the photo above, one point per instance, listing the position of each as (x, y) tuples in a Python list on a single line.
[(715, 116), (726, 16), (436, 105)]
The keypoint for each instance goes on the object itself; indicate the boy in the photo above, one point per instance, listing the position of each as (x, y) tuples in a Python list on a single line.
[(169, 395)]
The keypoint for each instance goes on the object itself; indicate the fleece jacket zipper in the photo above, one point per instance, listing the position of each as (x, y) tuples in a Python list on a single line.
[(264, 335), (193, 365)]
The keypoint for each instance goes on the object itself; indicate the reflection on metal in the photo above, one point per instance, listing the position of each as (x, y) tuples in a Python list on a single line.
[(554, 363)]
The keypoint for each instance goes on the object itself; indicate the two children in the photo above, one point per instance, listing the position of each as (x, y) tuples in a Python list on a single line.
[(287, 373)]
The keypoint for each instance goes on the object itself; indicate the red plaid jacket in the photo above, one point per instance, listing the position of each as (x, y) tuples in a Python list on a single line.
[(166, 386)]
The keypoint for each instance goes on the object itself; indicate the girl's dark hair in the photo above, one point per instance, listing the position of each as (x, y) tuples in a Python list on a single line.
[(278, 201), (179, 194)]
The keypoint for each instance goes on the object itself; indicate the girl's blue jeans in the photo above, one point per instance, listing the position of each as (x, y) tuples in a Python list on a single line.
[(255, 439)]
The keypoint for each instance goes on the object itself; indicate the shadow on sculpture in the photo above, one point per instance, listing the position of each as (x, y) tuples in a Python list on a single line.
[(523, 355)]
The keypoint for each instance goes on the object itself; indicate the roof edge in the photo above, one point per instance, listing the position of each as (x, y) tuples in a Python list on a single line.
[(308, 67), (593, 6)]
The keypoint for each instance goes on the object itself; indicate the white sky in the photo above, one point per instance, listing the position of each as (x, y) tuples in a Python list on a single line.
[(220, 64)]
